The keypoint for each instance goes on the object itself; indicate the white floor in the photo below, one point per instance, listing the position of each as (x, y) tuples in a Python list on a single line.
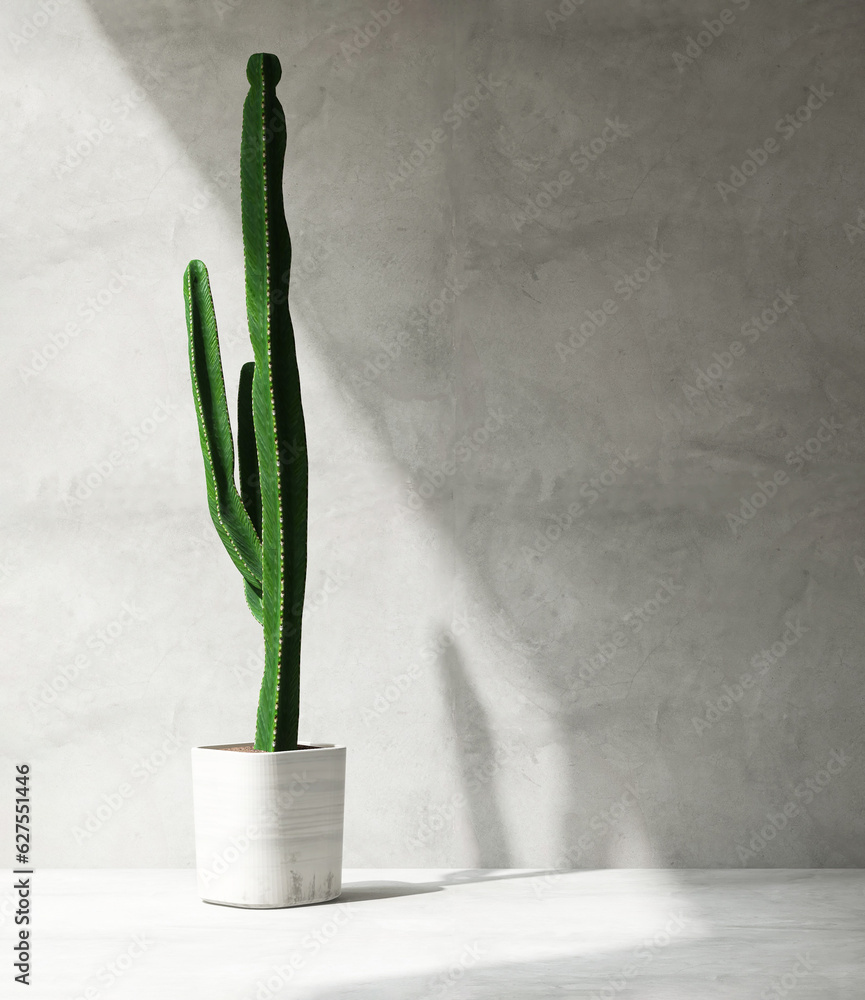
[(644, 934)]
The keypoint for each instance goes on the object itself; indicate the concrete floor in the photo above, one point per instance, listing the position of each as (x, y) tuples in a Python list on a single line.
[(395, 933)]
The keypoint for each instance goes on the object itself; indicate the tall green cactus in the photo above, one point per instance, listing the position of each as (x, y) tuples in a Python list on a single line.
[(263, 525)]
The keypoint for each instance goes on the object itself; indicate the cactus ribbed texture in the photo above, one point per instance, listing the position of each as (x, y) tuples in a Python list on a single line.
[(263, 525)]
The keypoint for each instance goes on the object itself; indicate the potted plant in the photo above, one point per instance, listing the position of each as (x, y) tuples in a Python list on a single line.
[(269, 814)]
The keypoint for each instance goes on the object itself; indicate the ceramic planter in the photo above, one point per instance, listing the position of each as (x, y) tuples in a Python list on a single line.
[(268, 826)]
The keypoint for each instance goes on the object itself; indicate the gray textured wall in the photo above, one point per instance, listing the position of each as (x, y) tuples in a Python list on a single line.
[(579, 309)]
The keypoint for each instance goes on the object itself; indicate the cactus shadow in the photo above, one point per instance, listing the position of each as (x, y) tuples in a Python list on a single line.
[(187, 57), (476, 751), (359, 892), (372, 889)]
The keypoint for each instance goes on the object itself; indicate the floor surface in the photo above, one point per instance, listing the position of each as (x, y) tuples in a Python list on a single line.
[(406, 934)]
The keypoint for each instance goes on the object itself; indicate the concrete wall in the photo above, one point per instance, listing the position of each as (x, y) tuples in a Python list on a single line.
[(579, 307)]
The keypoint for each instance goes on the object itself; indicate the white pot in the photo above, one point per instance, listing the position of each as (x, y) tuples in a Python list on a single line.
[(268, 826)]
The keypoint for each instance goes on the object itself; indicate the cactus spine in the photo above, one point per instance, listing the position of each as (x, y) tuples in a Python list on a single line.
[(263, 525)]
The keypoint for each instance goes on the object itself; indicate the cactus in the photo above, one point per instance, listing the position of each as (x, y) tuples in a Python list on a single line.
[(263, 525)]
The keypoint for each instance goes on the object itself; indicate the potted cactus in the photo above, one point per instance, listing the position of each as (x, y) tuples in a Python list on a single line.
[(269, 814)]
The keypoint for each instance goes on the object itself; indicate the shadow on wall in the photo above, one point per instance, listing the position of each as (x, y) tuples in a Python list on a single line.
[(200, 53), (480, 757)]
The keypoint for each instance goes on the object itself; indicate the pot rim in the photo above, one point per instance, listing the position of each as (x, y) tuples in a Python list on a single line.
[(303, 748)]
